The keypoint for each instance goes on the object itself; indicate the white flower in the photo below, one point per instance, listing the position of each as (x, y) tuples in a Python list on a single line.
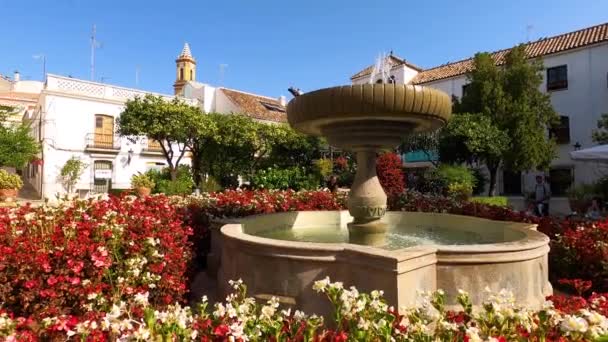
[(363, 324), (574, 324), (220, 310), (268, 311), (235, 284), (299, 315), (321, 285), (142, 299)]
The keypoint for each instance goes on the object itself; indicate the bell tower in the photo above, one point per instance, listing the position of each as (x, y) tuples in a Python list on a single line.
[(185, 69)]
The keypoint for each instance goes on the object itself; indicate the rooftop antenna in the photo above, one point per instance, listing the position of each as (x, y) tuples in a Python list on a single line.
[(222, 68), (529, 28), (137, 76), (43, 57), (94, 44)]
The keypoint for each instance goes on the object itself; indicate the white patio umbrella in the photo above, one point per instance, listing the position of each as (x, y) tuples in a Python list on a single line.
[(595, 153)]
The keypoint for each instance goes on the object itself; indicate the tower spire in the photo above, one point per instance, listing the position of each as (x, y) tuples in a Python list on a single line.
[(185, 68)]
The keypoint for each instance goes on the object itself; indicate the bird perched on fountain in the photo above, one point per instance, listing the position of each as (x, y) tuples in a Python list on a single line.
[(295, 91)]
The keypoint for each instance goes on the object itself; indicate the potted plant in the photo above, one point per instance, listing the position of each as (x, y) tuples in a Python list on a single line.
[(142, 183), (579, 197), (9, 185)]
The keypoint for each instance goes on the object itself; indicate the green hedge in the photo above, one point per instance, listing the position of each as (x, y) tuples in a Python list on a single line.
[(500, 201)]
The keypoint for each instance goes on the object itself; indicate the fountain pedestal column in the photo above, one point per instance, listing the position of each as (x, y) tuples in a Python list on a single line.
[(366, 200)]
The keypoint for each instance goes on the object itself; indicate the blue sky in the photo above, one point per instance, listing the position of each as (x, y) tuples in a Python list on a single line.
[(268, 45)]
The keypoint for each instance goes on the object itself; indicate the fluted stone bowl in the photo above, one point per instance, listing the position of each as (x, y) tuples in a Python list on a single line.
[(369, 115)]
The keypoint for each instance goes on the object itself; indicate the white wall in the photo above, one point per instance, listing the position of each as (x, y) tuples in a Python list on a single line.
[(223, 104), (403, 75)]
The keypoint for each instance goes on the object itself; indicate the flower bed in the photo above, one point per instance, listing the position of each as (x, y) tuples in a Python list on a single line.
[(357, 317), (104, 268), (83, 256)]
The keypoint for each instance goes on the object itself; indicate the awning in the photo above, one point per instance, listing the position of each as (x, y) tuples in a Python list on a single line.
[(596, 153)]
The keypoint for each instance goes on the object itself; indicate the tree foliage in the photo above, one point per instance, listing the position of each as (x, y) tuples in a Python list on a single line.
[(174, 124), (506, 101), (234, 144), (600, 135), (71, 172), (17, 146)]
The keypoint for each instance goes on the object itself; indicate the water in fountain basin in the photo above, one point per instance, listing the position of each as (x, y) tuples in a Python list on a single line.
[(397, 237)]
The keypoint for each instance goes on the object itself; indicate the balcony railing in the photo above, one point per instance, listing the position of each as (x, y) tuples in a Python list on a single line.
[(153, 145), (97, 141)]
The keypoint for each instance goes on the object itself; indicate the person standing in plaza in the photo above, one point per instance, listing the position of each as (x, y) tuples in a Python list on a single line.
[(542, 196)]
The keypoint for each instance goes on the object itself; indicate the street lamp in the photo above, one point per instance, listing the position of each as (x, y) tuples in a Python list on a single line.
[(129, 156)]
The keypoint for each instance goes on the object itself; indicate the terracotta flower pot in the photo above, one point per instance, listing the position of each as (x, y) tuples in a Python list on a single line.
[(8, 195), (143, 191)]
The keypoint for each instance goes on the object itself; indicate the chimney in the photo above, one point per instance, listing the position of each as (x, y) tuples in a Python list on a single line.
[(16, 76), (282, 100)]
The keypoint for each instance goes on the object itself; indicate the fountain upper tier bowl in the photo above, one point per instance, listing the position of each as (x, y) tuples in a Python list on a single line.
[(369, 115)]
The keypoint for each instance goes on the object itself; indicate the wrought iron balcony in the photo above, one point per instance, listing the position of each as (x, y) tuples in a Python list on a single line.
[(151, 146), (102, 142)]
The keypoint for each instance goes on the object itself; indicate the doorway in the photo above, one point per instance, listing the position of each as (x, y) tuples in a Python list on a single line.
[(102, 176)]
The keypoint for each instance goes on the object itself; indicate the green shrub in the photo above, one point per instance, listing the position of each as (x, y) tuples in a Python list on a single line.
[(480, 181), (294, 178), (581, 192), (141, 180), (600, 187), (500, 201), (461, 191), (209, 184), (10, 181), (324, 167), (459, 180), (182, 185)]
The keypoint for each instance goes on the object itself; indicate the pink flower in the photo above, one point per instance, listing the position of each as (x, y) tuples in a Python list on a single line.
[(52, 280)]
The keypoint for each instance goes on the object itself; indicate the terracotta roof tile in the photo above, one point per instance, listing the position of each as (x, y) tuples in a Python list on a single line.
[(394, 60), (546, 46), (256, 106)]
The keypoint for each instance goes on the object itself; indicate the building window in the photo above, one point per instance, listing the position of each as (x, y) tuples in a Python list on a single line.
[(98, 121), (560, 180), (191, 75), (181, 74), (273, 107), (557, 78), (561, 131), (379, 81), (511, 183), (465, 89)]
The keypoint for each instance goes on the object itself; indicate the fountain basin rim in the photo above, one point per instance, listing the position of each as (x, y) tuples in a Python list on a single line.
[(423, 107), (532, 245)]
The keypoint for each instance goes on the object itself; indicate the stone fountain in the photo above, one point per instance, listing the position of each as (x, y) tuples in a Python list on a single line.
[(368, 119), (399, 252)]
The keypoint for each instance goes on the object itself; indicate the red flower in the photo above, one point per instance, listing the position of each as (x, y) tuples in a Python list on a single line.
[(221, 330)]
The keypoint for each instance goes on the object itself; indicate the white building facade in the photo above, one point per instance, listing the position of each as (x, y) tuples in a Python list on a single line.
[(77, 118), (576, 78)]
